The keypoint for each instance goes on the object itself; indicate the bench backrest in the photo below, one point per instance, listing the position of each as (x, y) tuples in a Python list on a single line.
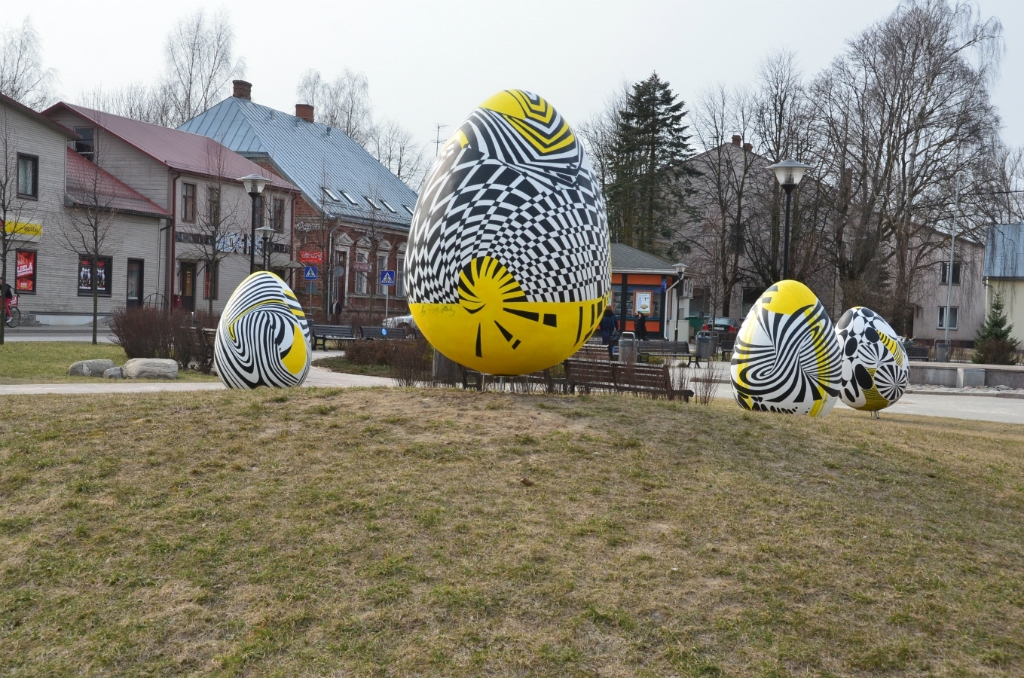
[(917, 352), (375, 332), (662, 347), (333, 331), (591, 352)]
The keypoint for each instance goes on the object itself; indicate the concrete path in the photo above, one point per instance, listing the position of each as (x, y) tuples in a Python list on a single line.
[(75, 333)]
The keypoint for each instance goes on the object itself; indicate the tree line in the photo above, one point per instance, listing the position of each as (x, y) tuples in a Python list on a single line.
[(902, 136), (199, 65)]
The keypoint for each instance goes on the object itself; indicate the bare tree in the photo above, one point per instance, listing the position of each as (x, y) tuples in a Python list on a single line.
[(343, 104), (200, 63), (15, 211), (372, 230), (135, 100), (84, 228), (599, 133), (394, 147), (22, 76)]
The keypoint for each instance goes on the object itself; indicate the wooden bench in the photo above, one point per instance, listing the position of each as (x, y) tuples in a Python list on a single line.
[(636, 378), (373, 332), (592, 352), (917, 353), (667, 349), (324, 333), (726, 348)]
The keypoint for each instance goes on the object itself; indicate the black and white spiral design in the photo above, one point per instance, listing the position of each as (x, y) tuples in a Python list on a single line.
[(787, 362), (875, 367), (263, 337)]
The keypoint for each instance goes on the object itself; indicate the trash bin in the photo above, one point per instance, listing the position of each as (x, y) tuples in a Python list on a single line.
[(942, 351), (627, 348), (707, 345)]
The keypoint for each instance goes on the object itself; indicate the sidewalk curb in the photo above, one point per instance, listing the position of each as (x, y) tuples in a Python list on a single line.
[(996, 394)]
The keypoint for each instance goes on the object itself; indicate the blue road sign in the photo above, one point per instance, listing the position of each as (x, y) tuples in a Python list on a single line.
[(387, 277), (311, 273)]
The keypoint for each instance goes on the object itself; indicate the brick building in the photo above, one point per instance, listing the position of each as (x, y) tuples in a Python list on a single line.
[(353, 218)]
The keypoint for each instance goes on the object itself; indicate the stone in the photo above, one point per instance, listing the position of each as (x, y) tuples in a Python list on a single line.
[(90, 368), (150, 368), (113, 373)]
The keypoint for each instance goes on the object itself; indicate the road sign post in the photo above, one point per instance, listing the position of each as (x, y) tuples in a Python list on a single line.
[(387, 279)]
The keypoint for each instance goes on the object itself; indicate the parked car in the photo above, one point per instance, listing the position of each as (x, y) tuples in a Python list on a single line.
[(728, 325)]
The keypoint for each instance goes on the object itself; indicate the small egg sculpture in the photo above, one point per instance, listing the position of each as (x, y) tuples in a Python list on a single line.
[(786, 357), (263, 336), (876, 370), (508, 263)]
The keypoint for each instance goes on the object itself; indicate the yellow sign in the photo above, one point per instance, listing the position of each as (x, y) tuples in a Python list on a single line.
[(24, 229)]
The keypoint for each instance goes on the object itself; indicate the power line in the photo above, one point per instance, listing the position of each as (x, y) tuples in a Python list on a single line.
[(437, 141)]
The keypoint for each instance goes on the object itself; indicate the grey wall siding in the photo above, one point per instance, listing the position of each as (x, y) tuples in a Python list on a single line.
[(968, 297)]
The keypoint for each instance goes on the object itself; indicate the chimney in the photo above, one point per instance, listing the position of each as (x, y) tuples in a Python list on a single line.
[(736, 139), (243, 89), (748, 147), (304, 111)]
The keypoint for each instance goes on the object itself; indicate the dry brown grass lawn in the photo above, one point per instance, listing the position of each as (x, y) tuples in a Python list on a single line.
[(389, 533)]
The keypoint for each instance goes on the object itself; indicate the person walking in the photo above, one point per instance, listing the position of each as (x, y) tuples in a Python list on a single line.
[(641, 327), (607, 326)]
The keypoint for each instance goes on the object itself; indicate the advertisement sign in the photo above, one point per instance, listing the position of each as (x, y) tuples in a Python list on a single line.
[(24, 229), (642, 302), (25, 272), (361, 266), (311, 258), (102, 276)]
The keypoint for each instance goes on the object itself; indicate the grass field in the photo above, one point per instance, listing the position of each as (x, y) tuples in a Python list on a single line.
[(340, 364), (420, 533), (45, 362)]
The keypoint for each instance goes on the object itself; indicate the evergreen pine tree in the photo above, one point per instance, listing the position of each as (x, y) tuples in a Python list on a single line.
[(649, 153), (993, 344)]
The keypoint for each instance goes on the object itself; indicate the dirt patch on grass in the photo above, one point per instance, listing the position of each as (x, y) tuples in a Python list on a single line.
[(390, 532)]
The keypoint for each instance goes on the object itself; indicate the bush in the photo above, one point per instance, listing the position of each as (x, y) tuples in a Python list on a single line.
[(411, 361), (148, 332), (369, 352)]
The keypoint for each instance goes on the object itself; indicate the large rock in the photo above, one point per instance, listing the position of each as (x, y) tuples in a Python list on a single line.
[(90, 368), (150, 368), (113, 373)]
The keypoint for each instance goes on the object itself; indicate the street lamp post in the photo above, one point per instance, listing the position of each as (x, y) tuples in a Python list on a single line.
[(266, 233), (788, 173), (254, 185)]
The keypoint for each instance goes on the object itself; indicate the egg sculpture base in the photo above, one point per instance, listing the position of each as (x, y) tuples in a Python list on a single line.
[(508, 264), (263, 336), (786, 357), (876, 370)]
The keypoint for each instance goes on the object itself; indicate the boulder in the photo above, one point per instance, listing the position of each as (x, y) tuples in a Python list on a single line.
[(113, 373), (150, 368), (90, 368)]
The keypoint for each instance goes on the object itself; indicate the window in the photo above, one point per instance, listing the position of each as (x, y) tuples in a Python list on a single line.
[(400, 276), (25, 272), (210, 280), (349, 197), (944, 273), (86, 146), (277, 215), (407, 209), (28, 176), (385, 203), (952, 317), (750, 297), (362, 268), (372, 203), (331, 194), (135, 269), (382, 265), (104, 273), (213, 207), (188, 207)]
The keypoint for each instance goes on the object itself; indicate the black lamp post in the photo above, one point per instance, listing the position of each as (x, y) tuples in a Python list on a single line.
[(254, 185), (788, 173), (266, 233)]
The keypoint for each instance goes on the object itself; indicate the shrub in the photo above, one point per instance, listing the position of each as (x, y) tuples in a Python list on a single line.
[(149, 332), (411, 361), (993, 345), (369, 352)]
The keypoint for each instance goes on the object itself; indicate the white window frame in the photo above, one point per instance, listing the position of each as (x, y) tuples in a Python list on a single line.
[(954, 311), (362, 277)]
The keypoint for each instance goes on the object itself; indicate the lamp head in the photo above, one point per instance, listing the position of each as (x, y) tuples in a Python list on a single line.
[(265, 232), (254, 183), (789, 172)]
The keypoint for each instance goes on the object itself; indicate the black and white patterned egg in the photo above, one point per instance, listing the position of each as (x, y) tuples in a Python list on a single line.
[(876, 370)]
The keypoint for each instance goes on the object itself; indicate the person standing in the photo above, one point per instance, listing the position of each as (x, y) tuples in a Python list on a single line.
[(607, 326), (641, 327)]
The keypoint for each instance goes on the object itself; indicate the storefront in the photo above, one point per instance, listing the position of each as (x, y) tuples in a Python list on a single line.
[(647, 284)]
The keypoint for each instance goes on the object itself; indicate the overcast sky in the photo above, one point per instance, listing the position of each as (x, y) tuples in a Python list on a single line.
[(432, 62)]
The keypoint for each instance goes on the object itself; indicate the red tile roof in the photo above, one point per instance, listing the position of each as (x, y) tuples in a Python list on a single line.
[(88, 185), (181, 151)]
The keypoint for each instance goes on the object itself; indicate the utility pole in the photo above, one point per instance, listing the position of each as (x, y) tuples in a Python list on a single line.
[(437, 141), (952, 251)]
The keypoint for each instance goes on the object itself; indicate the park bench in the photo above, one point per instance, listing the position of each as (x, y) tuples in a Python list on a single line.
[(666, 349), (636, 378), (725, 348), (210, 339), (592, 352), (324, 333), (372, 332), (917, 353)]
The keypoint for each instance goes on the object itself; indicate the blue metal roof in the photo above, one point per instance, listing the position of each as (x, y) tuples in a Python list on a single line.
[(1004, 251), (312, 156)]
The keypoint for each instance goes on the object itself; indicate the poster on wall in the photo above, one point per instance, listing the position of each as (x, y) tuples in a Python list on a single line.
[(102, 276), (25, 272), (642, 302)]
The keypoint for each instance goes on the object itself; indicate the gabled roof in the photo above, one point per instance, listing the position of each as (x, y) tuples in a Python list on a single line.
[(626, 259), (38, 117), (173, 148), (90, 186), (1004, 251), (304, 152)]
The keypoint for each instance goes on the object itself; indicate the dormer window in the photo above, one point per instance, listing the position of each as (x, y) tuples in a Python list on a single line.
[(372, 203), (86, 146), (349, 197), (385, 203), (331, 194)]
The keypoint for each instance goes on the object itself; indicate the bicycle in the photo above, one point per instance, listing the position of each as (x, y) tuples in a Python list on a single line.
[(13, 318)]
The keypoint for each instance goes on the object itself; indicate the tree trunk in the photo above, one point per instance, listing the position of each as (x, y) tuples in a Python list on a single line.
[(3, 298), (95, 303)]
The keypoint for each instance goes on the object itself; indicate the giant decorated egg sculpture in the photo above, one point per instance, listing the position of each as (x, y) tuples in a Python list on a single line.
[(263, 336), (508, 263), (876, 371), (786, 357)]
